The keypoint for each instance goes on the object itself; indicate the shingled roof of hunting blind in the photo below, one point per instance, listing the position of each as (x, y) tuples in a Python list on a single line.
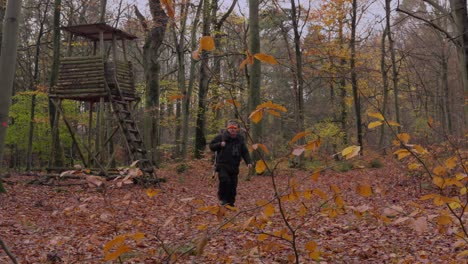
[(91, 31)]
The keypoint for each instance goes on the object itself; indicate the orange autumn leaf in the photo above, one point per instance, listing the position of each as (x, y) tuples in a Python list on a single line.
[(169, 7), (266, 58), (207, 43)]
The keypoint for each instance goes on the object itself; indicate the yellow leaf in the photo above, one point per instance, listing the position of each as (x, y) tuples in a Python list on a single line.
[(428, 196), (391, 123), (451, 163), (321, 194), (402, 153), (138, 236), (376, 115), (420, 149), (273, 112), (207, 43), (116, 241), (260, 167), (311, 246), (364, 190), (262, 147), (269, 210), (121, 249), (404, 137), (152, 192), (266, 58), (439, 182), (463, 191), (414, 166), (307, 194), (374, 124), (464, 253), (261, 202), (313, 145), (439, 170), (298, 136), (262, 237), (335, 189), (316, 175), (350, 151), (444, 220), (315, 255), (256, 115), (202, 227), (339, 201), (454, 205)]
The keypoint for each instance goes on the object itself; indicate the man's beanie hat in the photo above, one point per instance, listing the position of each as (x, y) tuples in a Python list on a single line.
[(232, 123)]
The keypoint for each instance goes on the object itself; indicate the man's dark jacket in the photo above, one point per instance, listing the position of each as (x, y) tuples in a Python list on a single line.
[(232, 152)]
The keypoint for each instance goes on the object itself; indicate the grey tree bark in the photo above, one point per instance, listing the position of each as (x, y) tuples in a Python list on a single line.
[(56, 157), (34, 83), (7, 67), (354, 81), (153, 42), (188, 95), (200, 139), (255, 70)]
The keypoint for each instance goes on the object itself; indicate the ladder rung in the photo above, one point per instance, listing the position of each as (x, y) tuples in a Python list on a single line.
[(132, 130), (120, 102), (123, 111)]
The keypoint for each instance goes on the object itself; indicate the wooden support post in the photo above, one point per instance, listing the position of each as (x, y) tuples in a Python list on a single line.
[(90, 126), (124, 49)]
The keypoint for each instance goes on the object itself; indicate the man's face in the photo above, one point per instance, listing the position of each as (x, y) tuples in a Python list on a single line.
[(233, 130)]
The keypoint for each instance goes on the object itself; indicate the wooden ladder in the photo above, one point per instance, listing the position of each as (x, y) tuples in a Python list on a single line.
[(134, 141)]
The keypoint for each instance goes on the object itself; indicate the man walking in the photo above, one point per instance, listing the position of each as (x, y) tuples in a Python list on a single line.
[(230, 147)]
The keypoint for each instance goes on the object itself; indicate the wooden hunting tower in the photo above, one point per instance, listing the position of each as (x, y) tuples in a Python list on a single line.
[(98, 77)]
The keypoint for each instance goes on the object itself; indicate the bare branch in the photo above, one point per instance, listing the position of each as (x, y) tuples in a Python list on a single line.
[(141, 18), (7, 251)]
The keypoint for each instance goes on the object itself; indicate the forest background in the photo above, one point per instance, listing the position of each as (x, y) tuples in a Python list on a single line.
[(317, 82)]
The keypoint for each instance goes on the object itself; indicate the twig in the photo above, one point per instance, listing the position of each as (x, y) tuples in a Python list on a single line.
[(13, 259)]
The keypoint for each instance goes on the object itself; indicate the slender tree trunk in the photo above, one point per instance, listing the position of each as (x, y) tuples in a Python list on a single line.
[(298, 71), (391, 47), (200, 139), (2, 16), (460, 16), (102, 18), (8, 65), (180, 47), (188, 94), (56, 157), (255, 69), (33, 87), (153, 42), (354, 82), (384, 73)]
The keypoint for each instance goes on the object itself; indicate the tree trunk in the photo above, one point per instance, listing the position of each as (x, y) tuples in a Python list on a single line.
[(153, 42), (2, 16), (255, 70), (384, 73), (180, 47), (200, 139), (56, 157), (354, 82), (8, 65), (32, 87), (391, 48), (188, 94)]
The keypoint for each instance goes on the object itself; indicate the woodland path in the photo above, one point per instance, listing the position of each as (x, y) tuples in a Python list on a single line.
[(71, 224)]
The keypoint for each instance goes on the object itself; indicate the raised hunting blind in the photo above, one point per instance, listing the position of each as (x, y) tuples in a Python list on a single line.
[(101, 77)]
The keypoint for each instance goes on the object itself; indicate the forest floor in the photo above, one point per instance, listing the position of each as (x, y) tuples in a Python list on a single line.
[(73, 221)]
